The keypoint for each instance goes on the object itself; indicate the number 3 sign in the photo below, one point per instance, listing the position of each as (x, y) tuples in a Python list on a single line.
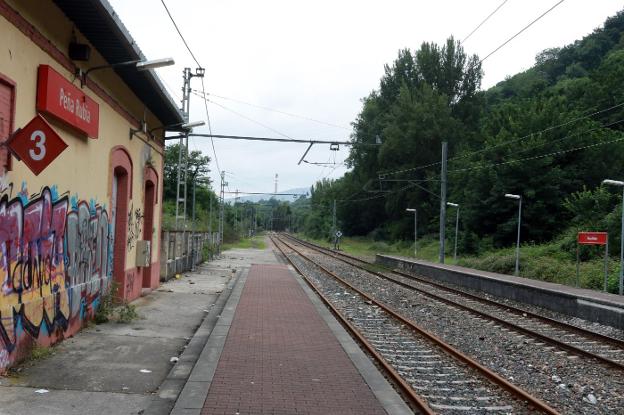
[(37, 144)]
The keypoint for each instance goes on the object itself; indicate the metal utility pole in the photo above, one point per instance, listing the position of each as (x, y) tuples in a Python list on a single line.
[(235, 211), (275, 183), (181, 188), (443, 201), (193, 247), (334, 221), (210, 223), (621, 184), (221, 210)]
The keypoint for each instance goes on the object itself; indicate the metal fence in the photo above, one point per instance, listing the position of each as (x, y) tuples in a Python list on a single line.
[(181, 250)]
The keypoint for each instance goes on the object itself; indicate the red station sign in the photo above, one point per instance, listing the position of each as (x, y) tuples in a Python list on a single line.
[(37, 144), (59, 97), (592, 238)]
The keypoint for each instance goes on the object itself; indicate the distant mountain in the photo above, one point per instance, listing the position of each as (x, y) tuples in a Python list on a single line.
[(257, 198)]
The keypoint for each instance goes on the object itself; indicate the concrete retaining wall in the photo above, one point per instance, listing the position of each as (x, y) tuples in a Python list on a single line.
[(587, 304), (181, 250)]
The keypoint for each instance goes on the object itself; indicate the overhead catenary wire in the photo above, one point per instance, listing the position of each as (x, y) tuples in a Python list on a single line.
[(379, 196), (506, 143), (175, 25), (521, 30), (247, 118), (303, 117), (463, 170), (554, 153), (180, 33), (214, 151), (484, 20)]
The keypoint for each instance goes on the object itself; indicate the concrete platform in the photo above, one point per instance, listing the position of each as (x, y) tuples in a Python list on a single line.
[(277, 350), (587, 304)]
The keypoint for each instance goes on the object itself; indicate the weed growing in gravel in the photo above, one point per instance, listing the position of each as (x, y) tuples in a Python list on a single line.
[(107, 309), (126, 313), (106, 306)]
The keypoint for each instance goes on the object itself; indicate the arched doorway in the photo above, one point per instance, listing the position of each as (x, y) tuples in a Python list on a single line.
[(121, 192), (149, 206)]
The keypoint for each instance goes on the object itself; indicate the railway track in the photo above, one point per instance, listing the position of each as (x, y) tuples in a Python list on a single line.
[(566, 337), (433, 375)]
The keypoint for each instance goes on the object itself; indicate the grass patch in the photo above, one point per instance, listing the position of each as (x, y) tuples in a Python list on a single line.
[(40, 352), (126, 313), (109, 309), (106, 307), (257, 242)]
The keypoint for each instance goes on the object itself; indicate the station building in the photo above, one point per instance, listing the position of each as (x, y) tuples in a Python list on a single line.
[(81, 182)]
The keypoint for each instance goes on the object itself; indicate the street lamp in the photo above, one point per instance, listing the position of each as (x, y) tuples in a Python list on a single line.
[(519, 199), (415, 227), (455, 205), (621, 184), (139, 64)]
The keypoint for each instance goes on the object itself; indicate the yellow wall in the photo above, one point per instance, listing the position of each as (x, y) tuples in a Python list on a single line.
[(83, 168), (40, 300)]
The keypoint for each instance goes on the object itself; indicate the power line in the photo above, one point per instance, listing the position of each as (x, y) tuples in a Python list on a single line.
[(180, 33), (522, 30), (214, 151), (378, 196), (490, 148), (202, 78), (279, 140), (303, 117), (266, 193), (248, 118), (607, 125), (553, 127), (484, 20), (554, 153)]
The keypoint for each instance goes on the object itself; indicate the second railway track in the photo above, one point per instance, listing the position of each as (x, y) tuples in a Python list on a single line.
[(575, 370), (576, 340)]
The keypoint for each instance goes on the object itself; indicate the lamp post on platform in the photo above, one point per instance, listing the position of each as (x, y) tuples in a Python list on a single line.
[(415, 227), (620, 184), (519, 199)]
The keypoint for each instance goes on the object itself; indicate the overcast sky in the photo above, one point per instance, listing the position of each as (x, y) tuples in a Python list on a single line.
[(318, 59)]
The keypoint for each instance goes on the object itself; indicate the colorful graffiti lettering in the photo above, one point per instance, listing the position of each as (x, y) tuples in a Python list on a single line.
[(135, 222), (87, 244), (55, 260)]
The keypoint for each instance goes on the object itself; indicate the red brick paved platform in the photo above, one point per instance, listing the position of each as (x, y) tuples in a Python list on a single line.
[(281, 358)]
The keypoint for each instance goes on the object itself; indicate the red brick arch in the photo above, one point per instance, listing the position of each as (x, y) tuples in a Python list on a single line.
[(121, 173), (150, 199)]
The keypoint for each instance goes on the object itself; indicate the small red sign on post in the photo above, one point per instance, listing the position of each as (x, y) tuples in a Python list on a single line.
[(37, 144), (592, 238), (59, 97)]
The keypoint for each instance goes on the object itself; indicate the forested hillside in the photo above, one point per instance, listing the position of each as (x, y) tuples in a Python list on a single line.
[(551, 134)]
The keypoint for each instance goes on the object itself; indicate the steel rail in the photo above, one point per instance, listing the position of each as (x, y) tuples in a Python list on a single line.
[(416, 400), (489, 374), (512, 309)]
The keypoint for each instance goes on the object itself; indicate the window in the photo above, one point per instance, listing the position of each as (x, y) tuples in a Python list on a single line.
[(7, 112)]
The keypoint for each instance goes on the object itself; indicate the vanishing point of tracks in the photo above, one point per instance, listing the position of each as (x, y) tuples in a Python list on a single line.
[(434, 376)]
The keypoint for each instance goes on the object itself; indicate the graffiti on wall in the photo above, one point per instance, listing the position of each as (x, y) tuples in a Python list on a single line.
[(55, 258), (135, 222)]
